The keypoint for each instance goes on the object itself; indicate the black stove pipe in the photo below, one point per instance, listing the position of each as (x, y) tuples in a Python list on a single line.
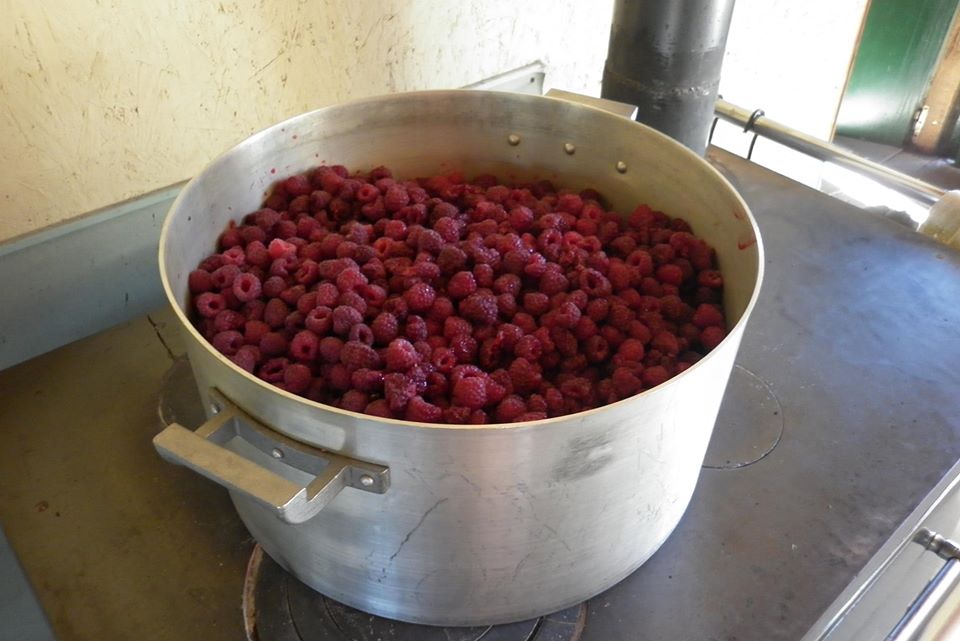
[(665, 57)]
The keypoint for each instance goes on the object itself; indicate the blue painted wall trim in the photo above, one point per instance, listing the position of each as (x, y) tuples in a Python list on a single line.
[(76, 279)]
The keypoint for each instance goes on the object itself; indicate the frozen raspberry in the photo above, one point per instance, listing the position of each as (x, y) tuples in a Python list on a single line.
[(362, 333), (470, 392), (304, 346), (464, 347), (484, 274), (209, 304), (708, 316), (367, 380), (585, 328), (421, 411), (536, 303), (711, 336), (626, 382), (420, 297), (292, 294), (529, 348), (509, 409), (710, 278), (357, 355), (297, 378), (246, 287), (479, 308), (400, 355)]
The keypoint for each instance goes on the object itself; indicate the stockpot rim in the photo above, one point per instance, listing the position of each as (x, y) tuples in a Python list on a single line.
[(567, 418)]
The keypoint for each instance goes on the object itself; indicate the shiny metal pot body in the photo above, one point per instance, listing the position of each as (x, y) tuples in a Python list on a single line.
[(480, 524)]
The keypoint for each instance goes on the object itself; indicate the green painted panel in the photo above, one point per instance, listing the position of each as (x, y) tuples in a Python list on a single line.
[(897, 56)]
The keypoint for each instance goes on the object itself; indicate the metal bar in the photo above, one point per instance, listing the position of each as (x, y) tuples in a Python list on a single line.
[(828, 152), (665, 57), (916, 622)]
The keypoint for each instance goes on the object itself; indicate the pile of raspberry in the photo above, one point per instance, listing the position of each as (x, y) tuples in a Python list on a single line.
[(446, 301)]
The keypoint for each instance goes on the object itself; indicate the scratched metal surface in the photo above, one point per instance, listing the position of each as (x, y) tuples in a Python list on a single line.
[(856, 334), (855, 338)]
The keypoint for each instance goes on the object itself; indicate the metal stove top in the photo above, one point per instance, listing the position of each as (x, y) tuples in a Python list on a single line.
[(841, 416)]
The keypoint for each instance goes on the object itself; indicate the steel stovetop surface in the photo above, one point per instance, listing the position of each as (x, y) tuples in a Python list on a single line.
[(853, 345)]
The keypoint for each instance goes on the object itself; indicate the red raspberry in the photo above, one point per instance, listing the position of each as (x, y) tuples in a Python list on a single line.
[(281, 249), (350, 279), (356, 355), (594, 283), (632, 350), (228, 342), (464, 347), (596, 349), (254, 331), (338, 377), (708, 316), (711, 336), (536, 303), (247, 358), (461, 285), (380, 408), (396, 198), (292, 294), (665, 342), (400, 355), (566, 315), (480, 308), (421, 411), (484, 275), (367, 380), (509, 409), (398, 390), (625, 382), (227, 320), (420, 297), (246, 287), (275, 313), (223, 277), (670, 274), (362, 333), (577, 388), (525, 376), (710, 278), (272, 370), (653, 376), (354, 401), (344, 317), (470, 392), (553, 282), (199, 281), (304, 346), (273, 344), (329, 349), (297, 378), (319, 320)]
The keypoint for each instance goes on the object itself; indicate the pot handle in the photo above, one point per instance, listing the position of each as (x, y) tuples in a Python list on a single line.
[(203, 451)]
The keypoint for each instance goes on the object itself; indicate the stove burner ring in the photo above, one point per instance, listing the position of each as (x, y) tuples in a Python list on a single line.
[(278, 607)]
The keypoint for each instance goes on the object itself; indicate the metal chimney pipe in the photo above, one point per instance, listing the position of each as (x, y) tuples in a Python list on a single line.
[(665, 57)]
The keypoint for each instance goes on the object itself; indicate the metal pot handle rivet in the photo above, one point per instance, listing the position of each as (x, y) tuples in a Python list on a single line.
[(204, 452)]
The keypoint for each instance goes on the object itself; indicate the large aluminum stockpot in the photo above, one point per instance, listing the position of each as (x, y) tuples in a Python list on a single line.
[(447, 524)]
